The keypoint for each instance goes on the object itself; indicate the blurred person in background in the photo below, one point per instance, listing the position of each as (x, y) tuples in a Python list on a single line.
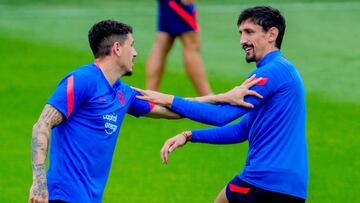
[(177, 19)]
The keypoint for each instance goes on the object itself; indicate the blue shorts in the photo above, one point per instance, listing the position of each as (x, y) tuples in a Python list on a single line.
[(240, 191), (175, 18)]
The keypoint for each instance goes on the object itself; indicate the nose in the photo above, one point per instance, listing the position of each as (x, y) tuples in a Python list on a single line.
[(135, 53), (243, 40)]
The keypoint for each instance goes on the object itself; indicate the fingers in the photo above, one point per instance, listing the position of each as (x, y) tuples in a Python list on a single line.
[(254, 93), (170, 146), (244, 104), (174, 146), (138, 89), (251, 78), (165, 151), (163, 154), (142, 97), (253, 82)]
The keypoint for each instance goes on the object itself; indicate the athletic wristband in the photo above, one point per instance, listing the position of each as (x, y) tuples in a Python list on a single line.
[(187, 135)]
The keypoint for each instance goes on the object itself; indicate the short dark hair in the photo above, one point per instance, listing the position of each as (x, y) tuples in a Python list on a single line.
[(267, 17), (104, 34)]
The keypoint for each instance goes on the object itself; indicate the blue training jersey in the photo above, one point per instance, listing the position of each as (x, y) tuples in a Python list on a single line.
[(275, 129), (175, 18), (82, 146)]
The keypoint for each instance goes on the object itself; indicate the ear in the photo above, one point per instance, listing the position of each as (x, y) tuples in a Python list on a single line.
[(273, 33), (116, 48)]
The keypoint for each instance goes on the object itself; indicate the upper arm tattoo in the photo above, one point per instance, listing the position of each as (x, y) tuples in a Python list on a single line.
[(51, 116)]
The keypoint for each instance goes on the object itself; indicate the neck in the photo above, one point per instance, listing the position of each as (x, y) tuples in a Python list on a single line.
[(266, 52), (110, 69)]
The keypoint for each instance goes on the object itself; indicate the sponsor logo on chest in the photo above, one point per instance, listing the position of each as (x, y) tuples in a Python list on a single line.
[(110, 123)]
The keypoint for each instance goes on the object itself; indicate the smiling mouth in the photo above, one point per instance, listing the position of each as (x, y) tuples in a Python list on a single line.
[(247, 48)]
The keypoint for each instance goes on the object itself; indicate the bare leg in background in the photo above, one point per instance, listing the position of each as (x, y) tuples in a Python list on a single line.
[(157, 59), (193, 62)]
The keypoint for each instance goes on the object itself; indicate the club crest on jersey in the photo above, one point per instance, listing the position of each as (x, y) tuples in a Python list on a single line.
[(110, 123), (121, 98), (102, 99)]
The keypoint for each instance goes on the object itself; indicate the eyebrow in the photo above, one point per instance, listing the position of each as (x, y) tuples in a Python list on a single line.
[(247, 30)]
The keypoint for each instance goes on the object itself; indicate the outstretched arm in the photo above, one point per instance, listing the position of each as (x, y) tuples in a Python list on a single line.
[(207, 113), (234, 96), (49, 118), (212, 114), (149, 109)]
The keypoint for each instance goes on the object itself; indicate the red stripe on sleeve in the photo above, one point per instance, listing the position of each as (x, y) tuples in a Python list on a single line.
[(121, 98), (152, 105), (183, 14), (238, 189), (263, 81), (70, 95)]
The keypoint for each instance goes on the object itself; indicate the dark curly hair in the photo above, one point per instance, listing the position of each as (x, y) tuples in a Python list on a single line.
[(267, 17), (104, 34)]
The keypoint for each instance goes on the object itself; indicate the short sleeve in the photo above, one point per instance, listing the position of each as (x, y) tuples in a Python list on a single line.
[(139, 107), (69, 94)]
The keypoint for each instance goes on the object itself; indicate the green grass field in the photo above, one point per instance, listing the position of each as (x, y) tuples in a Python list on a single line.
[(40, 41)]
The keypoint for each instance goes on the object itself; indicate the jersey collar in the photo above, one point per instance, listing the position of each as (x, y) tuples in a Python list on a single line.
[(268, 57), (115, 86)]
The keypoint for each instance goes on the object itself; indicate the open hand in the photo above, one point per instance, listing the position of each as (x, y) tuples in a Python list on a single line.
[(155, 97), (236, 95), (171, 144)]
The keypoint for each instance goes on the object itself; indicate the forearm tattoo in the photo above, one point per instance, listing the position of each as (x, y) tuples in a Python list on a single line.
[(162, 109), (49, 118), (163, 112), (40, 188)]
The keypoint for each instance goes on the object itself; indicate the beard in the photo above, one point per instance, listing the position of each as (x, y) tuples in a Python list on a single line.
[(251, 56), (128, 73), (250, 59), (128, 70)]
